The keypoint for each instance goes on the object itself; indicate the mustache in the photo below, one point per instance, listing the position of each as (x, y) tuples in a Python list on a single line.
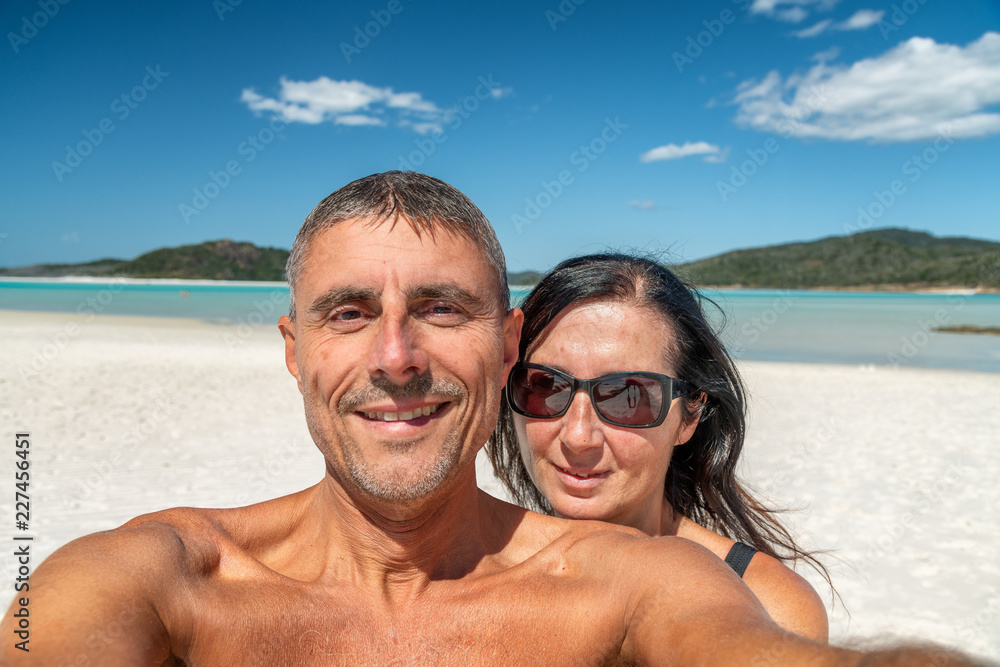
[(381, 388)]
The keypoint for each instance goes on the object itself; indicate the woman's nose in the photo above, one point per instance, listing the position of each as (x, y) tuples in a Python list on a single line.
[(581, 425)]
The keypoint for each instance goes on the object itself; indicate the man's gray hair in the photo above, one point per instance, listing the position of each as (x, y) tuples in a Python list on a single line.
[(427, 203)]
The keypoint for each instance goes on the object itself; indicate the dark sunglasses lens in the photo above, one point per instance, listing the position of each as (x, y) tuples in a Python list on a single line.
[(539, 393), (635, 401)]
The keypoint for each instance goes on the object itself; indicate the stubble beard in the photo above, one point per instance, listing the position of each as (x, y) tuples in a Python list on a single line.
[(388, 483), (398, 481)]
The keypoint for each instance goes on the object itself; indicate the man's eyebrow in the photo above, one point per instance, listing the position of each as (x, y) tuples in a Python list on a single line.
[(337, 295), (446, 292)]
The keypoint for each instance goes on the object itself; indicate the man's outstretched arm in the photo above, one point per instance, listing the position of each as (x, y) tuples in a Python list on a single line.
[(692, 610), (92, 603)]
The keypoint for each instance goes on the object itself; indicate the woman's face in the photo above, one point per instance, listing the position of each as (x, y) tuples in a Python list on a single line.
[(586, 468)]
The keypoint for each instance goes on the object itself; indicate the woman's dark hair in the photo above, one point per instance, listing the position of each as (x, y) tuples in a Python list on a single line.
[(701, 481)]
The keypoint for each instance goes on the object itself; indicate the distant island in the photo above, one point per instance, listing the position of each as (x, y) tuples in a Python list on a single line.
[(969, 329), (881, 259), (212, 260)]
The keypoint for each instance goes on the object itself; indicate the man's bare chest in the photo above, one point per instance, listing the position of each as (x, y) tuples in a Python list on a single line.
[(295, 623)]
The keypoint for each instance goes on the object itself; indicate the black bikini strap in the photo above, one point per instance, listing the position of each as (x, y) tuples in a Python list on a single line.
[(739, 557)]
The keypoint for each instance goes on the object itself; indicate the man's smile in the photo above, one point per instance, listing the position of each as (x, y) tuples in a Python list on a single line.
[(402, 421), (393, 413)]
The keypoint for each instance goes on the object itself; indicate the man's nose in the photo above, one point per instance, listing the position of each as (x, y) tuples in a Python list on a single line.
[(581, 426), (395, 353)]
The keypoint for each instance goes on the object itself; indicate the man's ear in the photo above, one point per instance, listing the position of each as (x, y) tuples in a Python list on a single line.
[(690, 424), (512, 324), (287, 328)]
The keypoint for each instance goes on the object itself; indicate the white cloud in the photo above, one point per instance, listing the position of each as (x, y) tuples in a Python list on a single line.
[(860, 20), (673, 151), (642, 204), (828, 55), (792, 11), (411, 101), (357, 119), (814, 30), (916, 90), (345, 103), (791, 15), (717, 158), (498, 93)]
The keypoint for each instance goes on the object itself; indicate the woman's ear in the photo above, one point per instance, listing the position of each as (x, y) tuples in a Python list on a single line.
[(695, 412)]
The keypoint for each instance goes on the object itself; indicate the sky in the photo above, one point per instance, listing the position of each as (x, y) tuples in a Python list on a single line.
[(688, 129)]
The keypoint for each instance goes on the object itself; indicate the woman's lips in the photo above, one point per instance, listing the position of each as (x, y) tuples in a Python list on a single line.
[(579, 479)]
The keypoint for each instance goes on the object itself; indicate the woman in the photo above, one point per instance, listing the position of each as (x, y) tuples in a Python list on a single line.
[(655, 445)]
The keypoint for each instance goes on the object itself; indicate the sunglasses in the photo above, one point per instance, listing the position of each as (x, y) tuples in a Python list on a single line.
[(636, 400)]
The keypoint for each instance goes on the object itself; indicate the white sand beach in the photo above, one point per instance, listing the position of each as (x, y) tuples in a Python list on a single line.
[(894, 471)]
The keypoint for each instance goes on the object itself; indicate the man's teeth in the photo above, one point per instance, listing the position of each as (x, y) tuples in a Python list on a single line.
[(403, 416)]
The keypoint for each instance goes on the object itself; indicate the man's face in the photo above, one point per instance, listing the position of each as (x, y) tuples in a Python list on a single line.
[(400, 348)]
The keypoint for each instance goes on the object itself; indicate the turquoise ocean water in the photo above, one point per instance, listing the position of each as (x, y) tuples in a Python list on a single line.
[(880, 328)]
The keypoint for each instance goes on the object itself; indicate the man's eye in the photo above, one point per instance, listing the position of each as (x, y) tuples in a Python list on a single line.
[(346, 315), (442, 314), (444, 311)]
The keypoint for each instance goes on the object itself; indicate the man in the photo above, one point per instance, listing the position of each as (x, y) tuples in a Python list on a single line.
[(400, 339)]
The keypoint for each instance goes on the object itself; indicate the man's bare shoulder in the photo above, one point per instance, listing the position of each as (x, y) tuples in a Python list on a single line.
[(529, 535), (149, 541), (148, 561), (143, 580), (186, 537), (199, 539), (160, 551), (664, 563), (609, 547)]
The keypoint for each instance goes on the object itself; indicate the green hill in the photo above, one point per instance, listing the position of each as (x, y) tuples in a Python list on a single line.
[(877, 259), (212, 260)]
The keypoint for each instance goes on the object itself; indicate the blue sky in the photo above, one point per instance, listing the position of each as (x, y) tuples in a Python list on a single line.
[(694, 128)]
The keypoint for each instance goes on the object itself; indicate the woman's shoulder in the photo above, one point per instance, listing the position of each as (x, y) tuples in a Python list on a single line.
[(789, 599)]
